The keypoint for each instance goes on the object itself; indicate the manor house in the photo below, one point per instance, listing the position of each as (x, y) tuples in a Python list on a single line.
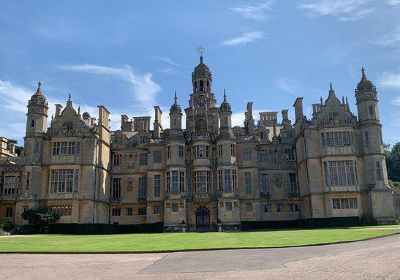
[(329, 165)]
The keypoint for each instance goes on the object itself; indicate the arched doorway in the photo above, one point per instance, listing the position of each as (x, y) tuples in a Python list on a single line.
[(202, 218)]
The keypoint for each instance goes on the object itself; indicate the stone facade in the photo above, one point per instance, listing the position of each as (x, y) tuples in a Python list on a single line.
[(331, 165)]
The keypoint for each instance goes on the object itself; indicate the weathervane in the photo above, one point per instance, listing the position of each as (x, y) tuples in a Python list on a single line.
[(200, 50)]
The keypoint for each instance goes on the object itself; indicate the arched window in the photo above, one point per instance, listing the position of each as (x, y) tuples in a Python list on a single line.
[(195, 86), (208, 85), (32, 123), (201, 85)]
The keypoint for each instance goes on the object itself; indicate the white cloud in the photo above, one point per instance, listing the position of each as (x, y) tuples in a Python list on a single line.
[(244, 39), (358, 15), (396, 101), (347, 10), (15, 99), (144, 88), (254, 12), (285, 85), (57, 30), (388, 39), (394, 2), (389, 80), (166, 60)]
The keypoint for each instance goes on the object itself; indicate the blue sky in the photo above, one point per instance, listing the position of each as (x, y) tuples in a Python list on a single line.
[(131, 55)]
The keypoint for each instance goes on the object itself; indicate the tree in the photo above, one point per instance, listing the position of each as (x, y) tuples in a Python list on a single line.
[(41, 217), (393, 162), (6, 224), (18, 149)]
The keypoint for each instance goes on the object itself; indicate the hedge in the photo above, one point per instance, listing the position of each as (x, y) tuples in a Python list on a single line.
[(303, 223), (94, 228)]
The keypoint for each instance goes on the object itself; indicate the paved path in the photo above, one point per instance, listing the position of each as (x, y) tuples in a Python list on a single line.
[(372, 259)]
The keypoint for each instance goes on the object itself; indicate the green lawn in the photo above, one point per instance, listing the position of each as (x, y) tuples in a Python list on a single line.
[(185, 241)]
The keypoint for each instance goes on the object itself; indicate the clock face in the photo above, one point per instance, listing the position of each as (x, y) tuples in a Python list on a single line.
[(200, 103)]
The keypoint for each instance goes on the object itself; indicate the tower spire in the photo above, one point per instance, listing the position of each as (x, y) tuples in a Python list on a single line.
[(176, 98), (39, 88)]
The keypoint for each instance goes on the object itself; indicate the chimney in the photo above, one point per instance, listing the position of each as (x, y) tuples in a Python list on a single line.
[(58, 109), (316, 108), (298, 108), (157, 122)]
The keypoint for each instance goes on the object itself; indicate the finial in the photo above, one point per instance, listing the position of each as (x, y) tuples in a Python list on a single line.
[(200, 50), (347, 101), (39, 88), (79, 110), (69, 97), (363, 72), (330, 87), (224, 95), (343, 99), (321, 100), (176, 98)]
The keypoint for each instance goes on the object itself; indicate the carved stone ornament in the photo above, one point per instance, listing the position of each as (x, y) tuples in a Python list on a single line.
[(278, 180)]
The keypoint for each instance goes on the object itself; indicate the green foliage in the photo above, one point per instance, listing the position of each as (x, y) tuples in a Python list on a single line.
[(4, 233), (368, 220), (302, 223), (18, 149), (6, 224), (41, 217), (393, 161)]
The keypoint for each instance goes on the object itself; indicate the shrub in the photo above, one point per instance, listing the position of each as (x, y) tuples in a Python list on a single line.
[(5, 224), (41, 217), (368, 220)]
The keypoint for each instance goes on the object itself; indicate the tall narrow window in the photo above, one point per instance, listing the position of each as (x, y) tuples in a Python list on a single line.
[(202, 180), (247, 182), (182, 181), (234, 180), (32, 123), (227, 179), (116, 188), (157, 185), (168, 152), (323, 140), (220, 151), (175, 182), (157, 156), (143, 159), (264, 183), (168, 175), (366, 138), (143, 187), (181, 151), (292, 184), (233, 150), (28, 179), (378, 171)]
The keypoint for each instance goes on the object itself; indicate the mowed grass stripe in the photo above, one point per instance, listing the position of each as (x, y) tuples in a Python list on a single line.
[(186, 241)]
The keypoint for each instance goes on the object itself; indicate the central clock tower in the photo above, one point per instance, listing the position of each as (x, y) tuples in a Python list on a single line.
[(202, 114)]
